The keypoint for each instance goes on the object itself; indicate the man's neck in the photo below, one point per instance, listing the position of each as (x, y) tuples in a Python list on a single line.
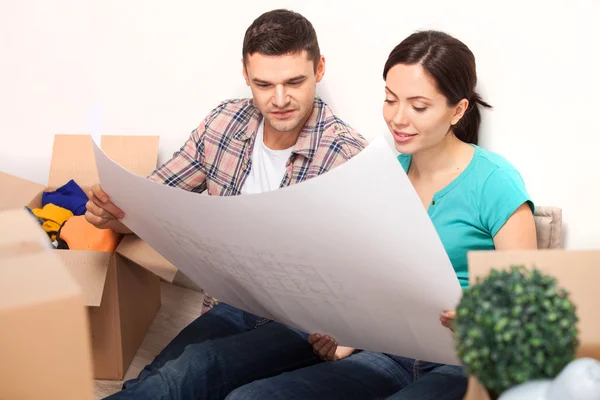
[(276, 140)]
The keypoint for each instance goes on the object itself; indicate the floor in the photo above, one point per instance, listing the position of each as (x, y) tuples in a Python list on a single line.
[(179, 307)]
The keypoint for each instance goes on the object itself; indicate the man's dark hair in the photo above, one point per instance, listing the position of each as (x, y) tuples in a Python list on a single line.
[(281, 32)]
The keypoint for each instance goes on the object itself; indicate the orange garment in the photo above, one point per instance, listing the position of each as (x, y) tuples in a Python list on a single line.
[(79, 234)]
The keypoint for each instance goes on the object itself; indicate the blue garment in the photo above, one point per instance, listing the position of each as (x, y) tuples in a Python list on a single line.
[(223, 349), (363, 375), (229, 353), (69, 196), (469, 212)]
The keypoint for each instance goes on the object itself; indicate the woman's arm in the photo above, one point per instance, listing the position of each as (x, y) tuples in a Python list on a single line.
[(518, 233)]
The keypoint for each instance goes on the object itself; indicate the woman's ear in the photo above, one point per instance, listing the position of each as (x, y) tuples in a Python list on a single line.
[(459, 111)]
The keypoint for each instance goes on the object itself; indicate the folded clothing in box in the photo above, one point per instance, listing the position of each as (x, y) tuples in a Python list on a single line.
[(69, 196), (78, 234)]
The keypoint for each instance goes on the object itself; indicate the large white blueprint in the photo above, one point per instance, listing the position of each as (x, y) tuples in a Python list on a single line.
[(351, 253)]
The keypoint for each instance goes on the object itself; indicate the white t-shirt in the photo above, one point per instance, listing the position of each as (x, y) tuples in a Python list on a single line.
[(268, 166)]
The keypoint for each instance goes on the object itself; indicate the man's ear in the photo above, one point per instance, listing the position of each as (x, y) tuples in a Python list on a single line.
[(459, 111), (245, 73), (320, 69)]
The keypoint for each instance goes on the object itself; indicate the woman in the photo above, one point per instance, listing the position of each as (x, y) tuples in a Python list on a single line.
[(475, 198)]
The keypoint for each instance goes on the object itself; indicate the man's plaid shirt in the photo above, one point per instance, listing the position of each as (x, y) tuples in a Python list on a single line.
[(217, 155)]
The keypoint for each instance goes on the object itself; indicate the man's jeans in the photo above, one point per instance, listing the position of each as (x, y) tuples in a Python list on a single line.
[(231, 353)]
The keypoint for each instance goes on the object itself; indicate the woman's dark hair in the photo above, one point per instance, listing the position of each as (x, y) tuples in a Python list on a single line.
[(452, 66), (280, 32)]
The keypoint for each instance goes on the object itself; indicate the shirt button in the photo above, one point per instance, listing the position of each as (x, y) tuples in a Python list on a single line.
[(433, 202)]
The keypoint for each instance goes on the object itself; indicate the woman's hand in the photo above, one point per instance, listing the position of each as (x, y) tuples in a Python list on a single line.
[(447, 319), (327, 348)]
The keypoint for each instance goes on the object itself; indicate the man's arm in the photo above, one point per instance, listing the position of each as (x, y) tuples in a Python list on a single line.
[(185, 170)]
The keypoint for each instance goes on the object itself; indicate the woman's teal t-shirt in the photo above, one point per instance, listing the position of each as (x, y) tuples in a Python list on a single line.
[(469, 212)]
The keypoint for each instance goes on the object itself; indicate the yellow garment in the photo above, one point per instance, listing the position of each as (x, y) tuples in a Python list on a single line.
[(53, 216)]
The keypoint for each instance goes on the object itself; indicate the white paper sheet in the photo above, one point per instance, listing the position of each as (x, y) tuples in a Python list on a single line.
[(351, 253)]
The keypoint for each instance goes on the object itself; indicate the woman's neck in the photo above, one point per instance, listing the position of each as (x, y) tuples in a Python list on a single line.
[(449, 156)]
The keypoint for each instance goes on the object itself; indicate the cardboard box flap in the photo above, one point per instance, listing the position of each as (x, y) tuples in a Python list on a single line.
[(22, 234), (89, 269), (577, 271), (34, 278), (136, 250), (137, 154), (72, 158), (17, 192)]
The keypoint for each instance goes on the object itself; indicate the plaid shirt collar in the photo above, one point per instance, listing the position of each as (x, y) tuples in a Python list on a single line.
[(308, 140)]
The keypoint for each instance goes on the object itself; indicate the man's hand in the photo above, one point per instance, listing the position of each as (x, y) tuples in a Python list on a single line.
[(447, 319), (327, 348), (102, 213)]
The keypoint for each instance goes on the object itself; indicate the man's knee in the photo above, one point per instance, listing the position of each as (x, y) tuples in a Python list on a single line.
[(261, 389)]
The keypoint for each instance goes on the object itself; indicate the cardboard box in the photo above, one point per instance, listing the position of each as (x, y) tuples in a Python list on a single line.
[(45, 338), (121, 289), (577, 271)]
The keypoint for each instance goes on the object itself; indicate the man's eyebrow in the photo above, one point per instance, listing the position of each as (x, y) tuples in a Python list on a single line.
[(294, 79), (260, 81)]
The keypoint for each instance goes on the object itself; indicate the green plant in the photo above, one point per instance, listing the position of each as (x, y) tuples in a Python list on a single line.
[(515, 326)]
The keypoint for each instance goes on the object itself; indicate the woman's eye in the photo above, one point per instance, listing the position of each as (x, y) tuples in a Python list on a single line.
[(419, 109)]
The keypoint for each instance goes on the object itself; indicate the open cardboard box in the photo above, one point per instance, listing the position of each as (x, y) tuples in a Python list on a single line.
[(577, 271), (44, 334), (121, 289)]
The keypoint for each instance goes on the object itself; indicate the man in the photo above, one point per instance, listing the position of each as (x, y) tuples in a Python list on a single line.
[(282, 136)]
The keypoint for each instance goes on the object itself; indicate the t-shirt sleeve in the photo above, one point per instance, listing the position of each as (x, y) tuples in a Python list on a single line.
[(503, 192)]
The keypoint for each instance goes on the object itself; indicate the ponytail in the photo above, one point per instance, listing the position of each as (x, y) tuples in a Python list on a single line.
[(467, 129)]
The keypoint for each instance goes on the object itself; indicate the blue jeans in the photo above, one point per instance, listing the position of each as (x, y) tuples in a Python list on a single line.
[(228, 353), (363, 375)]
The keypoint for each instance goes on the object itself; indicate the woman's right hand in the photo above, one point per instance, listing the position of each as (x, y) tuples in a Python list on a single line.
[(327, 348), (102, 213)]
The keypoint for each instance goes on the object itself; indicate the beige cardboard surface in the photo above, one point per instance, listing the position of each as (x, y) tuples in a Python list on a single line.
[(106, 330), (16, 271), (16, 192), (476, 391), (44, 335), (137, 154), (139, 301), (89, 269), (72, 158), (578, 271), (140, 252), (22, 234), (121, 305)]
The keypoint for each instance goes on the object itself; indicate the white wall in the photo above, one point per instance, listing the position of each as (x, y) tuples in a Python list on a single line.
[(161, 66)]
